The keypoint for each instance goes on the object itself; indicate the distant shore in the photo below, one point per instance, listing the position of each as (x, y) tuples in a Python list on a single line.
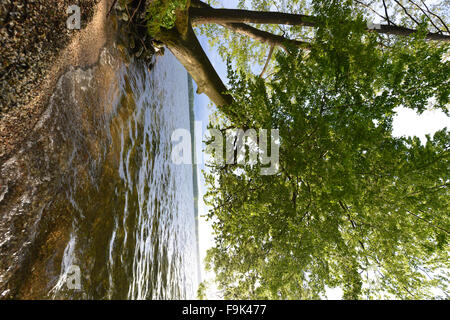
[(194, 169)]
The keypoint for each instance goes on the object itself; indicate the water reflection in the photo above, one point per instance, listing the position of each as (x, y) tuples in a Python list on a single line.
[(133, 230)]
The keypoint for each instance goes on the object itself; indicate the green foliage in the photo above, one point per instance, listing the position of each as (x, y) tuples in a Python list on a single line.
[(201, 291), (162, 14), (249, 56), (351, 206), (413, 76)]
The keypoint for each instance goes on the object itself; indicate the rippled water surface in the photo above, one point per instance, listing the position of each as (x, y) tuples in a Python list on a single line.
[(132, 233)]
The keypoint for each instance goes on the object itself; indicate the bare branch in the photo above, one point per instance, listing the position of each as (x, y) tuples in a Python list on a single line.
[(222, 16), (423, 11), (386, 12), (430, 223), (269, 56), (406, 12), (371, 9), (254, 33), (433, 14)]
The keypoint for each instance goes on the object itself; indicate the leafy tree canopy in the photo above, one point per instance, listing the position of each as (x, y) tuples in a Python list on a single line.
[(250, 55), (351, 206)]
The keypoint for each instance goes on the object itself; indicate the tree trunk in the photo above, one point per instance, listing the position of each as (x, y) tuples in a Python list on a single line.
[(254, 33), (211, 15), (227, 16), (187, 49), (189, 52)]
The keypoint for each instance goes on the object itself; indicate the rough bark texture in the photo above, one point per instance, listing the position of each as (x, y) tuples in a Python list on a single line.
[(210, 15), (187, 49), (263, 36), (228, 16), (254, 33), (402, 31), (189, 52)]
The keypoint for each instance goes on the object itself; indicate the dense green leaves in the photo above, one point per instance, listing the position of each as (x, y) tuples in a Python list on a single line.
[(250, 56), (162, 14), (351, 206)]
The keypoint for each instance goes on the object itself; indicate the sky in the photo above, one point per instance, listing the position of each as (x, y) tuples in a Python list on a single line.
[(203, 109), (406, 123)]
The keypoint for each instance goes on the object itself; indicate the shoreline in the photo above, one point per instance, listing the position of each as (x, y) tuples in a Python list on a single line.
[(34, 154), (50, 153), (74, 48)]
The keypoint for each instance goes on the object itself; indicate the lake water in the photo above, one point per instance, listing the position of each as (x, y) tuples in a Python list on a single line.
[(133, 232)]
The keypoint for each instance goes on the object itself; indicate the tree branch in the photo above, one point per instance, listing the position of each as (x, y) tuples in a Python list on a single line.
[(430, 223), (269, 56), (371, 9), (386, 13), (254, 33), (222, 16), (406, 12), (423, 11), (187, 49), (433, 14), (264, 36), (210, 15)]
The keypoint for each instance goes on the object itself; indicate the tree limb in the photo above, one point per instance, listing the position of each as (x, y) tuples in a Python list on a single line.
[(433, 14), (210, 15), (221, 16), (386, 13), (371, 9), (406, 12), (430, 223), (187, 49), (269, 56), (254, 33), (423, 11)]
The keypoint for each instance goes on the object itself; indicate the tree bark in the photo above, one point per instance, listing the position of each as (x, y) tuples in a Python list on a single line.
[(187, 49), (269, 56), (211, 15), (264, 36), (227, 16), (254, 33)]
